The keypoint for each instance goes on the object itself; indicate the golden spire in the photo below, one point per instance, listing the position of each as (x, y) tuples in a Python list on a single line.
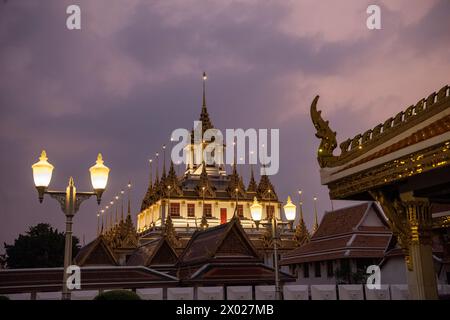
[(300, 204), (204, 89), (98, 223), (117, 210), (316, 220), (204, 116), (116, 220), (129, 200), (164, 160), (157, 171), (122, 193), (103, 221)]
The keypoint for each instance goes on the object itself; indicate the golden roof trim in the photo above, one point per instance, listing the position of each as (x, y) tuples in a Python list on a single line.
[(362, 143)]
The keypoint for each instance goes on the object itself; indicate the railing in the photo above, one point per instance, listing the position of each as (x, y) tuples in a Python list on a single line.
[(290, 292)]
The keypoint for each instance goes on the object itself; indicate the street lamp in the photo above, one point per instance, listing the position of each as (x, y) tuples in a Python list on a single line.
[(289, 211), (69, 199), (256, 212)]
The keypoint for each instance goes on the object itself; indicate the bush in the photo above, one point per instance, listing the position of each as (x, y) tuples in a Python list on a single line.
[(117, 295), (4, 298)]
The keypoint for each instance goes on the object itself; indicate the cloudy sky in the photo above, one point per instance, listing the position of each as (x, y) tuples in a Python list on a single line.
[(132, 74)]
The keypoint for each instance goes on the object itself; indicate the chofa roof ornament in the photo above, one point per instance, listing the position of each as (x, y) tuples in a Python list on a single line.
[(328, 137)]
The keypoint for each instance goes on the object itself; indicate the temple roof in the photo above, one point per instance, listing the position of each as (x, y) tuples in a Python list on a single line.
[(413, 143), (93, 278), (154, 253), (97, 252), (227, 241), (354, 232)]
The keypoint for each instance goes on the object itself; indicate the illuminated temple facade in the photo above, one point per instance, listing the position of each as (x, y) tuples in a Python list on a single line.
[(206, 196)]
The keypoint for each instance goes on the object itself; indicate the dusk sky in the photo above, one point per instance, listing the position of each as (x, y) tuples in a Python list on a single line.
[(132, 74)]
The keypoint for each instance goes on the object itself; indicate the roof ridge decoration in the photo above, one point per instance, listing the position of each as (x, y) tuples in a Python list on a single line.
[(204, 116), (169, 232), (236, 182), (264, 186), (362, 143), (252, 186), (301, 235), (173, 182), (205, 188)]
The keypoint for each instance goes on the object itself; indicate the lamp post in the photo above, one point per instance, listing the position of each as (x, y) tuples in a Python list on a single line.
[(70, 200), (256, 212)]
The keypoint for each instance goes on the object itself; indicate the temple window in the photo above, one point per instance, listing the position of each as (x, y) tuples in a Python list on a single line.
[(207, 210), (240, 210), (191, 210), (174, 209), (269, 212)]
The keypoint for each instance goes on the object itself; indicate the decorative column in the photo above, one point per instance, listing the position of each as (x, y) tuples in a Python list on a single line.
[(421, 272), (410, 220)]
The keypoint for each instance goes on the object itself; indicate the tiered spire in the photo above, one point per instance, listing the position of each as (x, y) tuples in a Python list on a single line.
[(252, 186), (170, 233), (316, 218), (205, 187), (204, 116), (301, 234), (263, 188), (149, 194), (235, 182), (173, 182)]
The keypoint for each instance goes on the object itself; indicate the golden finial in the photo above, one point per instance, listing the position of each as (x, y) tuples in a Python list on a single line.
[(204, 89), (316, 219), (43, 156), (99, 158)]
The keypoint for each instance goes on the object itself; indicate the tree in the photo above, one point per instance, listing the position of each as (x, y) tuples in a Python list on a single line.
[(41, 247)]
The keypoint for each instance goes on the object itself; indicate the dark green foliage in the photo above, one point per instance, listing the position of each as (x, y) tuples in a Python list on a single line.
[(3, 298), (41, 247), (117, 295)]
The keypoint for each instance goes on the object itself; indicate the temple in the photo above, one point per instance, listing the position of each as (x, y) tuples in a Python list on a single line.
[(206, 196), (403, 164), (202, 213)]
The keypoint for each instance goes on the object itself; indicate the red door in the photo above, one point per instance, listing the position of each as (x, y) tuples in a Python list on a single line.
[(223, 215)]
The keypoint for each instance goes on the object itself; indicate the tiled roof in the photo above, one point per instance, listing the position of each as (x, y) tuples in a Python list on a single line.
[(340, 235), (341, 221), (206, 244), (49, 279), (440, 207), (436, 128), (237, 273), (97, 252)]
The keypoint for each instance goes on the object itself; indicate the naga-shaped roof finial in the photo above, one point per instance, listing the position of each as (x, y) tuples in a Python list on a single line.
[(328, 137)]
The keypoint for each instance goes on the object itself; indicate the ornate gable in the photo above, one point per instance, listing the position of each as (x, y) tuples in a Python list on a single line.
[(234, 245), (236, 185), (164, 254), (205, 187), (96, 253), (266, 190)]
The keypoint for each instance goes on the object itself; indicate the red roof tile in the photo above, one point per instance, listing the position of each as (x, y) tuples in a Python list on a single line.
[(341, 221)]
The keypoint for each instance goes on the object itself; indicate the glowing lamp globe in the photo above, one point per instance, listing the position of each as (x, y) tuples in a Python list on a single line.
[(256, 210), (289, 210), (42, 171), (99, 174)]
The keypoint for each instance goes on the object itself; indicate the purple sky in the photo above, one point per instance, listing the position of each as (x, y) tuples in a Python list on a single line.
[(133, 74)]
